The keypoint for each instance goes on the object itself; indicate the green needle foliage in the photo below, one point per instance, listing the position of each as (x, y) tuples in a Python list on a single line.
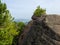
[(39, 11), (7, 26)]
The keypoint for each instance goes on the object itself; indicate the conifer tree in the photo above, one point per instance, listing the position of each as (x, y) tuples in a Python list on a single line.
[(7, 26)]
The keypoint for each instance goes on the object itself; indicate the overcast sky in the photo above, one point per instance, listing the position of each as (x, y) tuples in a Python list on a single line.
[(23, 9)]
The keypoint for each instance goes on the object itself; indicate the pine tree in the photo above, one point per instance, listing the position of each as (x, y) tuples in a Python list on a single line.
[(7, 26)]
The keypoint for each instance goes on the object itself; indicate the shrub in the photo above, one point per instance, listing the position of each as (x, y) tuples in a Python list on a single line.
[(39, 11), (19, 26)]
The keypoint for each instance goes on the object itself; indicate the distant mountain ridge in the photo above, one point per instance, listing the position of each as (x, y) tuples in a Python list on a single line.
[(22, 20)]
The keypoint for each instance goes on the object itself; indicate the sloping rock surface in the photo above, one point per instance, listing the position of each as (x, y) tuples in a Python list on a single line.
[(44, 30)]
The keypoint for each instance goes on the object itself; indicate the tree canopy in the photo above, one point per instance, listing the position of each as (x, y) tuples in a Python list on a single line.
[(7, 26)]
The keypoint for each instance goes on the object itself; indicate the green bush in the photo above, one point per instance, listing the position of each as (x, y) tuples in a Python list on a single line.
[(39, 11), (19, 26)]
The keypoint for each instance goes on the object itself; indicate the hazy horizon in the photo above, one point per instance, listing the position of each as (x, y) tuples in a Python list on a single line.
[(23, 9)]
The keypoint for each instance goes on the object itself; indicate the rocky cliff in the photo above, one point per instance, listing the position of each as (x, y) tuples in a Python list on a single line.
[(44, 30)]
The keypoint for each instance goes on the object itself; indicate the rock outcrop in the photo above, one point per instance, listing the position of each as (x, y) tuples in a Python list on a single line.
[(44, 30)]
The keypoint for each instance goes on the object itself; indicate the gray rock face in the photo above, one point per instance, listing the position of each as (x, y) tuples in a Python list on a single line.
[(44, 30), (53, 21)]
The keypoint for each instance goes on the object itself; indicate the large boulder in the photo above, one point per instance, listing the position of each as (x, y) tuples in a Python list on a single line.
[(53, 21), (43, 30)]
